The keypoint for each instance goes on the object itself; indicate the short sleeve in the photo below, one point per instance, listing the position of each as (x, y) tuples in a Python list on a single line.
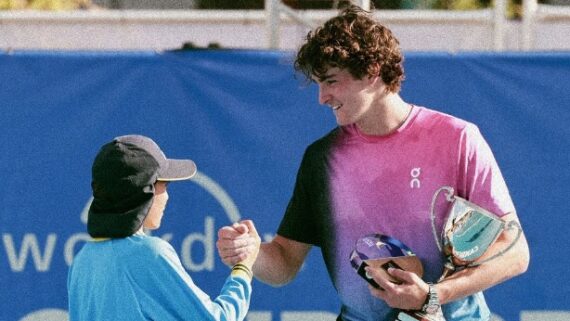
[(480, 179), (309, 200)]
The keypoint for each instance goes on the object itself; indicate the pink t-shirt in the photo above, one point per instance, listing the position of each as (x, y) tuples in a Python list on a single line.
[(351, 184)]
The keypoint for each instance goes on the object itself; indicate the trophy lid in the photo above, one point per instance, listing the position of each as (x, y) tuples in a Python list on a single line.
[(379, 250)]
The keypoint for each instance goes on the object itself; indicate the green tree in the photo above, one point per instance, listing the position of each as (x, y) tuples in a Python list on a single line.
[(45, 4)]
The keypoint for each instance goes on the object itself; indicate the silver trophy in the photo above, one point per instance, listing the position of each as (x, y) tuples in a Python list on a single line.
[(468, 232)]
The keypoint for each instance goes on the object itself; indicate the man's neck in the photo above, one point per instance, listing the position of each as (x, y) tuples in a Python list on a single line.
[(388, 114)]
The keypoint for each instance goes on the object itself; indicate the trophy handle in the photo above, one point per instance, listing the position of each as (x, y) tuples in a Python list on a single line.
[(510, 225), (449, 196)]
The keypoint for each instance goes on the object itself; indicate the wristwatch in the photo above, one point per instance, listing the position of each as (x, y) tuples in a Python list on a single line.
[(432, 301)]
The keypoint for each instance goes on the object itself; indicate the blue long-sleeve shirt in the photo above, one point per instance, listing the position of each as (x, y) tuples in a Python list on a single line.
[(141, 278)]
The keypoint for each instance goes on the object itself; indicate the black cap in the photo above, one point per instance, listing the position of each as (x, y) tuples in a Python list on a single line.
[(123, 176)]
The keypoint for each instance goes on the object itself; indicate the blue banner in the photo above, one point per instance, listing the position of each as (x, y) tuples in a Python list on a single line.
[(246, 118)]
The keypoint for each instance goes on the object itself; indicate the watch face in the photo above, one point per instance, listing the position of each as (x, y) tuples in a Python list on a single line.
[(432, 305), (431, 309)]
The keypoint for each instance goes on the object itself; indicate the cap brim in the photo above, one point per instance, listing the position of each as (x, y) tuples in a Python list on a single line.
[(178, 170)]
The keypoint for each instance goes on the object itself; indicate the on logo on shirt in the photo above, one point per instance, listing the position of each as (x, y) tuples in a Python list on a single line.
[(415, 177)]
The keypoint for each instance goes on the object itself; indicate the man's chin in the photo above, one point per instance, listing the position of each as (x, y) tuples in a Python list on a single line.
[(342, 122)]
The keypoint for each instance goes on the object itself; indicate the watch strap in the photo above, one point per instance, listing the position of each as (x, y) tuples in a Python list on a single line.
[(431, 305)]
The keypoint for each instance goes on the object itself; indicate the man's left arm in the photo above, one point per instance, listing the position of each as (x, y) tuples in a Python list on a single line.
[(513, 262), (485, 185), (412, 292)]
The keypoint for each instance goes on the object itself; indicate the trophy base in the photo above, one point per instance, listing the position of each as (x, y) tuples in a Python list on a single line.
[(419, 316)]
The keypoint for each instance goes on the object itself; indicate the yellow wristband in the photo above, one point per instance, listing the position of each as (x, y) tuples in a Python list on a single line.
[(241, 274), (241, 269)]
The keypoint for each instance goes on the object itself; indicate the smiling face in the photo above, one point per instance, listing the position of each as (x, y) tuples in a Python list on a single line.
[(351, 99)]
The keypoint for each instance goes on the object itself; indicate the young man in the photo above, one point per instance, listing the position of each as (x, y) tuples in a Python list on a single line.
[(123, 274), (377, 173)]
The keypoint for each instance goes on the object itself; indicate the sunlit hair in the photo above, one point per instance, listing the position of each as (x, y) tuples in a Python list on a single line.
[(356, 42)]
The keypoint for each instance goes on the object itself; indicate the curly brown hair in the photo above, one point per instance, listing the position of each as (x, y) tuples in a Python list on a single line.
[(353, 40)]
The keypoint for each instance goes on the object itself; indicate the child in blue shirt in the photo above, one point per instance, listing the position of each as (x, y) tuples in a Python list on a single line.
[(123, 274)]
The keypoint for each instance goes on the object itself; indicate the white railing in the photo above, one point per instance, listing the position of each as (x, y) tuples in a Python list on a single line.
[(275, 8), (544, 27), (495, 17), (535, 13)]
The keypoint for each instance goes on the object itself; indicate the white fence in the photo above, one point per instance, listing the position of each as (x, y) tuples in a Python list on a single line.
[(279, 27), (545, 27)]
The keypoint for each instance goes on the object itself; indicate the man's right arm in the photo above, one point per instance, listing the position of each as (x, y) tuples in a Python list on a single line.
[(279, 260)]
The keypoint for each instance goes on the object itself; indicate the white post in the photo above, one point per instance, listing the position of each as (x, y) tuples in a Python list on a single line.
[(499, 22), (272, 22), (529, 11), (364, 4), (273, 11)]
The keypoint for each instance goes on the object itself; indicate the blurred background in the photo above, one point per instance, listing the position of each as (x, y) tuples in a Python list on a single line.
[(213, 79), (514, 6), (421, 25)]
